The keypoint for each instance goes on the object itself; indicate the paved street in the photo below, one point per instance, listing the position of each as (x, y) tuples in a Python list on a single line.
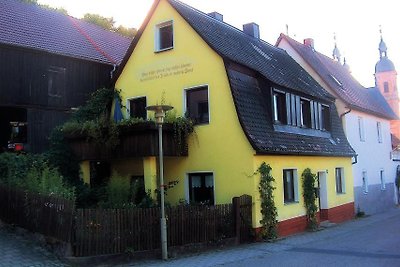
[(370, 241), (17, 250)]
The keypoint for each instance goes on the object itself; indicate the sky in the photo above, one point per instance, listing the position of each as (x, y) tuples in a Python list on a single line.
[(355, 23)]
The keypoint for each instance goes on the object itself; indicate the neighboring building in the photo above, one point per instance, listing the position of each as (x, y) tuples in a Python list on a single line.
[(251, 102), (50, 63), (366, 120), (386, 81)]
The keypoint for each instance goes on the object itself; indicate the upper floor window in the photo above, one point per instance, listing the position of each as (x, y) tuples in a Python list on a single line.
[(325, 118), (279, 104), (386, 87), (197, 105), (305, 113), (56, 81), (379, 131), (340, 182), (164, 39), (361, 131), (137, 108), (290, 186)]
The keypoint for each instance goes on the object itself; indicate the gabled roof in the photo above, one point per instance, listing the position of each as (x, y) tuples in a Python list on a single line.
[(271, 66), (33, 27), (342, 83)]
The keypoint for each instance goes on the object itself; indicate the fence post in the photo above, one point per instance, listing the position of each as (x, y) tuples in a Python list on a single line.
[(236, 214)]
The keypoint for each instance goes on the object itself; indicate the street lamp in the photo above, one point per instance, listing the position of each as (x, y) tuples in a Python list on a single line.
[(159, 114)]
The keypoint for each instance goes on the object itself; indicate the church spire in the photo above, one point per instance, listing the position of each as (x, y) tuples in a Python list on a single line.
[(382, 45), (336, 53)]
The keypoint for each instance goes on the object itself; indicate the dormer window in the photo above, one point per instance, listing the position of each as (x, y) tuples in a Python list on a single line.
[(305, 113), (279, 104), (325, 118), (164, 39)]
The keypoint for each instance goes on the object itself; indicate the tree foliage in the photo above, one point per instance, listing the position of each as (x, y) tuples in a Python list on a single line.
[(109, 24), (268, 210), (35, 2), (309, 180)]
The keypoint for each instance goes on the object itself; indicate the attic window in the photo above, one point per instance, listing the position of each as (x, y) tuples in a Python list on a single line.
[(279, 104), (335, 80), (164, 37), (386, 87), (56, 81), (305, 113)]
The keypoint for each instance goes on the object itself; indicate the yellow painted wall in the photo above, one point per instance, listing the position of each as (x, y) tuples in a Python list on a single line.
[(221, 146), (316, 164)]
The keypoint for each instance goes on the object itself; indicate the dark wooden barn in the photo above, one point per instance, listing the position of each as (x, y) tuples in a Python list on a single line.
[(49, 64)]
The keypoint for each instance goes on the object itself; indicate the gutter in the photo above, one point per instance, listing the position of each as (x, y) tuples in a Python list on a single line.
[(345, 113), (355, 159), (112, 71)]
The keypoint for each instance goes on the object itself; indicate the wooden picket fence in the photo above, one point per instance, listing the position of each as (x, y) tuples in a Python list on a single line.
[(113, 231), (47, 215)]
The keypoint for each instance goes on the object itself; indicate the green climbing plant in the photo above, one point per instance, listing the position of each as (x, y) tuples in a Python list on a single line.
[(308, 179), (268, 210)]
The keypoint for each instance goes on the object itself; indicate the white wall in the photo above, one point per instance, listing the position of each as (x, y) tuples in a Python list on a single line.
[(372, 155)]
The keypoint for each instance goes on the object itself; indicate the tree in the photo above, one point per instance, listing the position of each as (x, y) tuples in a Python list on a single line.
[(109, 24), (35, 2)]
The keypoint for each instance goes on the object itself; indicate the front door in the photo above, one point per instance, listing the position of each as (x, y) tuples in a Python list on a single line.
[(323, 196)]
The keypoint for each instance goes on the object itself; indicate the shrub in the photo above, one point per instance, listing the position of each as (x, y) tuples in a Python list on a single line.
[(309, 179)]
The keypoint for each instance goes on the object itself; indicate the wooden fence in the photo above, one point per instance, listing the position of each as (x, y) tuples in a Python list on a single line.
[(113, 231), (50, 216)]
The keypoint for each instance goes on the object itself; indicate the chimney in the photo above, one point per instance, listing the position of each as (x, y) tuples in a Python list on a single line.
[(216, 16), (252, 29), (309, 42)]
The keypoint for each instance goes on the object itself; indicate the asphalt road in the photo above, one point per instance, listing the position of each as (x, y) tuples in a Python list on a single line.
[(369, 241)]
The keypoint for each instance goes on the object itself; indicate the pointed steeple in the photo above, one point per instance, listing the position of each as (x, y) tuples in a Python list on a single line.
[(336, 53), (382, 45)]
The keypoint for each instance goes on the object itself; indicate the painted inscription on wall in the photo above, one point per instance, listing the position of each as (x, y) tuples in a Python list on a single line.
[(163, 72)]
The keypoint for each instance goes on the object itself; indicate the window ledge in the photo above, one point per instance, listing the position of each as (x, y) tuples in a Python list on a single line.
[(301, 131), (164, 50), (344, 193), (291, 203)]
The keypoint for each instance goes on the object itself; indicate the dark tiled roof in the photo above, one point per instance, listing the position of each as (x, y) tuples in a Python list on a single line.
[(33, 27), (231, 43), (257, 124), (340, 80)]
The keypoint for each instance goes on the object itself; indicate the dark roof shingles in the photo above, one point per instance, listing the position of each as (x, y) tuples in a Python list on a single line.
[(349, 90), (30, 26)]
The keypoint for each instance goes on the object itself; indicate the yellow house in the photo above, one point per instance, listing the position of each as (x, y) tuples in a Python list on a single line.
[(251, 102)]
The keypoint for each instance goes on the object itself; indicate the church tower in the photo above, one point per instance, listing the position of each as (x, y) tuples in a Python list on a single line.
[(386, 81)]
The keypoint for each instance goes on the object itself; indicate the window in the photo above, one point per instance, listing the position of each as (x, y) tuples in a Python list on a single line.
[(279, 104), (197, 105), (325, 118), (290, 192), (361, 129), (137, 186), (56, 81), (137, 108), (201, 188), (164, 36), (382, 176), (340, 183), (305, 113), (386, 87), (379, 130), (365, 182)]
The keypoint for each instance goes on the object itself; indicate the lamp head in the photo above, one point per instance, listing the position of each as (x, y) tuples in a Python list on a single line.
[(159, 112)]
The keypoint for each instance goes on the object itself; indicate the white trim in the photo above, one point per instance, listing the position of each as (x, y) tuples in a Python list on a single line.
[(128, 105), (208, 100), (323, 189), (295, 186), (187, 194), (157, 35), (343, 181)]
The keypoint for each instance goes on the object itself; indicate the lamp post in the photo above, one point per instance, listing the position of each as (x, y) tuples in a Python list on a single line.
[(159, 114)]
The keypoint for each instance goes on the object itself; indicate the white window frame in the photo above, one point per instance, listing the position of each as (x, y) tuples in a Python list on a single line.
[(185, 90), (157, 35), (343, 181), (383, 180), (364, 177), (379, 131), (361, 130), (187, 194), (295, 186), (128, 105)]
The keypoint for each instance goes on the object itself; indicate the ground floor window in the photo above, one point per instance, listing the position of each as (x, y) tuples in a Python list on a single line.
[(365, 181), (339, 175), (201, 188), (382, 176), (290, 185), (137, 189)]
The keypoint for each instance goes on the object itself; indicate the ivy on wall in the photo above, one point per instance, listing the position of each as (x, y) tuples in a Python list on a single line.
[(309, 179), (268, 210)]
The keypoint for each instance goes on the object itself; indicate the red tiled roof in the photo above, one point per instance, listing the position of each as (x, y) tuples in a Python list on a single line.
[(342, 83), (33, 27)]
